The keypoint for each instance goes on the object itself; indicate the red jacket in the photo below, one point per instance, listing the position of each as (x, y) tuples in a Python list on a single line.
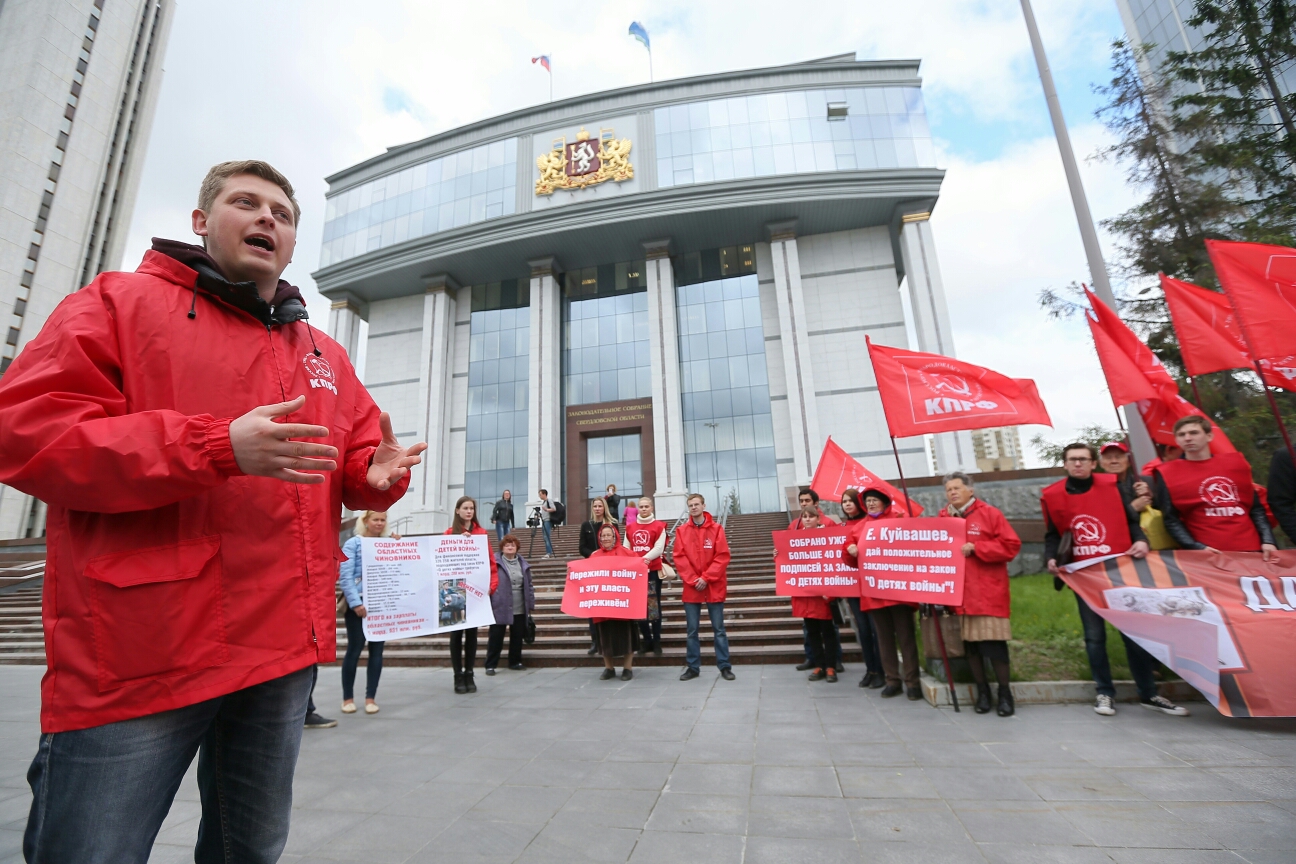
[(477, 529), (985, 574), (172, 577), (702, 552)]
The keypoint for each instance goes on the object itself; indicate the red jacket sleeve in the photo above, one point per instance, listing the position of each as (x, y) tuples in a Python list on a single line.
[(684, 566), (1002, 544), (68, 437), (357, 494), (720, 562), (852, 539)]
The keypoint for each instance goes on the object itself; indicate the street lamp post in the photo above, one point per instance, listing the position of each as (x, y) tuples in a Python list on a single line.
[(715, 463)]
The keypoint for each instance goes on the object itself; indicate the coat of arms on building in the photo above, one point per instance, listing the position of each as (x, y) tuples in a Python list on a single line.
[(584, 162)]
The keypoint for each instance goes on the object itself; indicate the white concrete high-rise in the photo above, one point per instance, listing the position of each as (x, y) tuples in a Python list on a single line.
[(79, 81)]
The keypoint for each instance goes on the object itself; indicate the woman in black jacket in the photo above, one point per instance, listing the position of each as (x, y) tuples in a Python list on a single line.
[(599, 516), (502, 515)]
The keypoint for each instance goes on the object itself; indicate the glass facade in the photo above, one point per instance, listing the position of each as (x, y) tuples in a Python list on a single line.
[(616, 460), (605, 334), (728, 429), (459, 189), (498, 346), (789, 133)]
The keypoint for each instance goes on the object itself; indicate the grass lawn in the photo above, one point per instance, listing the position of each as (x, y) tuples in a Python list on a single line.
[(1048, 641)]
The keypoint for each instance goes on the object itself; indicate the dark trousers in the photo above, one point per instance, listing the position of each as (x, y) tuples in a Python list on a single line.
[(809, 650), (100, 794), (463, 650), (895, 629), (495, 641), (356, 644), (1141, 663), (651, 630), (867, 636), (823, 641)]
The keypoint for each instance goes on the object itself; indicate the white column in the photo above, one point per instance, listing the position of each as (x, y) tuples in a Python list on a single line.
[(430, 499), (544, 438), (954, 451), (788, 295), (663, 347), (345, 316)]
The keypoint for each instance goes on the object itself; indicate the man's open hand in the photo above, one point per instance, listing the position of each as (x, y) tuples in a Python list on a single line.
[(263, 448), (391, 462)]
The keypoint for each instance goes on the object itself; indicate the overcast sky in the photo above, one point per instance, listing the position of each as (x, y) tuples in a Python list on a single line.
[(314, 87)]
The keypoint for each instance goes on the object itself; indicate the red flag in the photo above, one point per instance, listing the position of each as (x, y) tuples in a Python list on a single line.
[(924, 393), (1260, 282), (1136, 376), (837, 472), (1209, 338)]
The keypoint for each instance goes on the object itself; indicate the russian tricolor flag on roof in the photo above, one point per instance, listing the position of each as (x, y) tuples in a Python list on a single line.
[(543, 60)]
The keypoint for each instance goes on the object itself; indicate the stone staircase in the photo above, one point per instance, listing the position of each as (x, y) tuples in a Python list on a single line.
[(760, 625)]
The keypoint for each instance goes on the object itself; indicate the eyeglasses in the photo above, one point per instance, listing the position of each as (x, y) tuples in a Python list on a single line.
[(1079, 459)]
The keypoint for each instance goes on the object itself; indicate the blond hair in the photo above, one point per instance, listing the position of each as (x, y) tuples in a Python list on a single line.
[(362, 529), (220, 174)]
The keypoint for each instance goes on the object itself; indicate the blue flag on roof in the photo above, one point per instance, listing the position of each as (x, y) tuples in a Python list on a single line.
[(637, 30)]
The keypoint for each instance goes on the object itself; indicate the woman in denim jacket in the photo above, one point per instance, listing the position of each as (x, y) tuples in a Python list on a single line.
[(350, 575)]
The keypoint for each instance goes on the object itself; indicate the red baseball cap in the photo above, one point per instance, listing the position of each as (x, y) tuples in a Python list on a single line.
[(1118, 445)]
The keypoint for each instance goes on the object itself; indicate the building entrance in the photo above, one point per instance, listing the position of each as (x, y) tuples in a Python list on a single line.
[(616, 460), (609, 443)]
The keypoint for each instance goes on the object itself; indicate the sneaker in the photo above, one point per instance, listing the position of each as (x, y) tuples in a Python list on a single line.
[(1164, 705), (891, 690), (819, 675), (1104, 705), (315, 721), (727, 674), (806, 665), (608, 675), (689, 674), (490, 671), (832, 676)]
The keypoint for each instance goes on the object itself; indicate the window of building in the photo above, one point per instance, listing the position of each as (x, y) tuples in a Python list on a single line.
[(766, 134), (462, 188), (616, 460), (498, 353), (728, 430), (605, 334)]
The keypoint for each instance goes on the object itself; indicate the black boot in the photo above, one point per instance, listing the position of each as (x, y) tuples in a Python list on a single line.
[(983, 699), (1006, 705), (460, 687), (468, 682)]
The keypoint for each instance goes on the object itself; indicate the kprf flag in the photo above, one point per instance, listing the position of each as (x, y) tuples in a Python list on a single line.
[(1136, 376), (838, 471), (1225, 622), (1260, 282), (923, 393), (1209, 338)]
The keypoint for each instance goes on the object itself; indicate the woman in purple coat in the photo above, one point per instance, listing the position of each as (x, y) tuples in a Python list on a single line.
[(512, 601)]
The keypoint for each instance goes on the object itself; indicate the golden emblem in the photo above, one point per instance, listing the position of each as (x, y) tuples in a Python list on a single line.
[(581, 163)]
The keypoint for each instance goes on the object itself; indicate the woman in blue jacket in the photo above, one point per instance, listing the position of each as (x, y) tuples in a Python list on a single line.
[(369, 523)]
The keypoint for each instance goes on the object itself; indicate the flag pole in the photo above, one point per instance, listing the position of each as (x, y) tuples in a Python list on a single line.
[(1192, 379), (650, 69)]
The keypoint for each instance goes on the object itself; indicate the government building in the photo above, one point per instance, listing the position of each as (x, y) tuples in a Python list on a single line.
[(665, 287)]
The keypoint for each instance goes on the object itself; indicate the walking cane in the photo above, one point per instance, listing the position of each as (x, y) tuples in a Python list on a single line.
[(936, 612)]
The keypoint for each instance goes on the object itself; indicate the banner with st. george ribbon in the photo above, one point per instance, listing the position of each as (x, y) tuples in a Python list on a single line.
[(417, 586), (611, 586), (912, 560), (1224, 622), (808, 564)]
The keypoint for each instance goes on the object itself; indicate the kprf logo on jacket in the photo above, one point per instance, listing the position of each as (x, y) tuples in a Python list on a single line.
[(319, 373), (1088, 534), (1222, 494)]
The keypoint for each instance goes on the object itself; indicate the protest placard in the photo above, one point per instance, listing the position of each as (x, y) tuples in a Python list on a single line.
[(912, 560), (611, 586), (808, 564), (423, 585)]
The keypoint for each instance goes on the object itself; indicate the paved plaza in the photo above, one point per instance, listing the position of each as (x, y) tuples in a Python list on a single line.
[(552, 765)]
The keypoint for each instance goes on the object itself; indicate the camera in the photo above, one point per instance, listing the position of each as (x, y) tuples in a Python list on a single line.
[(533, 517)]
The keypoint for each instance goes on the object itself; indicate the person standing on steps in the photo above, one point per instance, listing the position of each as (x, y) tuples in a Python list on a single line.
[(617, 636), (599, 516), (987, 604), (512, 603), (369, 523), (893, 621), (702, 561), (546, 521), (1098, 512), (502, 515), (195, 441), (807, 497), (646, 537), (817, 617), (613, 502), (463, 643)]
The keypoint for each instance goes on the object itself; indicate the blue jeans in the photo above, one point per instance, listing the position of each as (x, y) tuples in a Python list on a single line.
[(548, 526), (693, 653), (501, 529), (1141, 663), (355, 644), (100, 794), (867, 637)]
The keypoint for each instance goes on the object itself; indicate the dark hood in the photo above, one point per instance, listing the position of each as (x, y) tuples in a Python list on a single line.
[(287, 306)]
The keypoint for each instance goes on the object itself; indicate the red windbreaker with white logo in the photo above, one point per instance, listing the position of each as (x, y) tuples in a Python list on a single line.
[(172, 577), (701, 551), (985, 571)]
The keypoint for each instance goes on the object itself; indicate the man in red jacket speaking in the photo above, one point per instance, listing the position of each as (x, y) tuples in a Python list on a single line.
[(195, 441)]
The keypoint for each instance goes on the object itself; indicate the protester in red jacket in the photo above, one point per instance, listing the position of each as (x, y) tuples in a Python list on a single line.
[(463, 643), (816, 612), (702, 561), (987, 605), (195, 441)]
